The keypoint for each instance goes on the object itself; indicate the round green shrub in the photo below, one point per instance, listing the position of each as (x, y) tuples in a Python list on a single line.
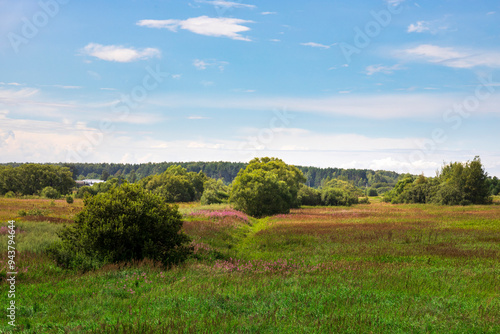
[(69, 199), (127, 223), (267, 186), (49, 192), (10, 194)]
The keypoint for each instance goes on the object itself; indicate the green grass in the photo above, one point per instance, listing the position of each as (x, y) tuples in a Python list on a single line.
[(376, 268), (32, 236)]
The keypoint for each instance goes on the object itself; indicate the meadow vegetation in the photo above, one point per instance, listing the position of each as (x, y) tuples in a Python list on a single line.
[(265, 254), (379, 268)]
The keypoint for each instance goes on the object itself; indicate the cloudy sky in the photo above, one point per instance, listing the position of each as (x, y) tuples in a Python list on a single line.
[(381, 84)]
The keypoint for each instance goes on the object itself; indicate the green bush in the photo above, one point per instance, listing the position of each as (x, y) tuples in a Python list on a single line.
[(69, 257), (215, 192), (69, 199), (49, 192), (10, 194), (267, 186), (85, 190), (126, 223), (33, 212), (363, 200), (309, 196), (372, 192), (338, 197)]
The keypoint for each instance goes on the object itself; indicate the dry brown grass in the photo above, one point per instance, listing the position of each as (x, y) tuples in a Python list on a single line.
[(60, 211)]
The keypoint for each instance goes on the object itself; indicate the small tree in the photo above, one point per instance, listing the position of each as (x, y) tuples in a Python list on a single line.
[(127, 223), (49, 192), (266, 187)]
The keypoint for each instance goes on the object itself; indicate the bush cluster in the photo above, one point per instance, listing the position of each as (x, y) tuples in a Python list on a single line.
[(456, 184)]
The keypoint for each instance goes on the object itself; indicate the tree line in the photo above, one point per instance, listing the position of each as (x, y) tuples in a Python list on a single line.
[(378, 182), (33, 179), (457, 183)]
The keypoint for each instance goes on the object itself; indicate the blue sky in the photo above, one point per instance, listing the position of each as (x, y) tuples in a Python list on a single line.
[(383, 84)]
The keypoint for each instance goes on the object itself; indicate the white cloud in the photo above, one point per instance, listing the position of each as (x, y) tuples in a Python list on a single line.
[(142, 118), (197, 117), (64, 86), (372, 69), (268, 13), (14, 95), (204, 64), (226, 4), (275, 40), (432, 27), (204, 25), (452, 57), (316, 45), (239, 90), (390, 163), (490, 13), (421, 26), (383, 106), (119, 53), (10, 84)]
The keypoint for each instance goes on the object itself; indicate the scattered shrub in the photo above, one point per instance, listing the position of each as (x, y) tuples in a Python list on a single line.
[(267, 186), (338, 197), (126, 223), (309, 196), (69, 199), (33, 212), (49, 192), (85, 190), (372, 192), (363, 200), (10, 194)]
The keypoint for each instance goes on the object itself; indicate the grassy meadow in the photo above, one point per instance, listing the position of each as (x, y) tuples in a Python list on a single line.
[(369, 268)]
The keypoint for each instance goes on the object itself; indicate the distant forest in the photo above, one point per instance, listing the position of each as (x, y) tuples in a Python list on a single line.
[(381, 180)]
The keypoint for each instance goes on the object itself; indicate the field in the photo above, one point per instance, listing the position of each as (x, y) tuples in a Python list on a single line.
[(376, 268)]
